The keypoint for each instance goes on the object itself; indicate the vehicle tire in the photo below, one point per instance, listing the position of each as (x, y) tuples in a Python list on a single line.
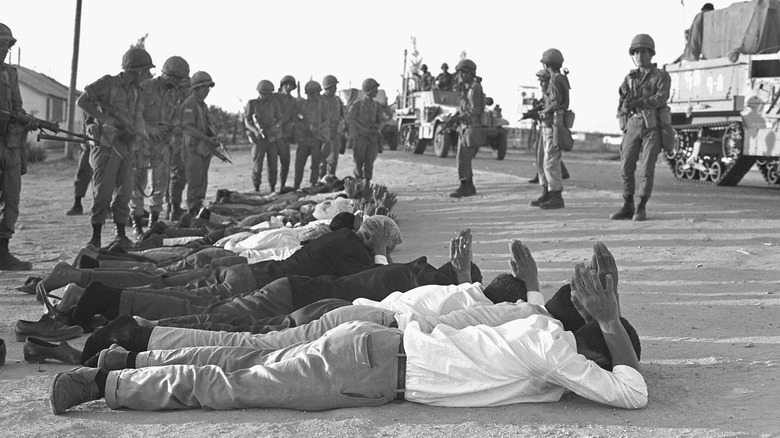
[(442, 142), (679, 168), (422, 144), (502, 141), (391, 137)]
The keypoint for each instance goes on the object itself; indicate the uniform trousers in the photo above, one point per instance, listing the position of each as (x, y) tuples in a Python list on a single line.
[(83, 173), (196, 169), (308, 148), (112, 171), (10, 187), (353, 365), (261, 148), (639, 145), (330, 153), (283, 151), (551, 175), (178, 178), (156, 164), (464, 157), (364, 152)]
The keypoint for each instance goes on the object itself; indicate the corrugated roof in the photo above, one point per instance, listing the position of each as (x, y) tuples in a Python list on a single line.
[(45, 84)]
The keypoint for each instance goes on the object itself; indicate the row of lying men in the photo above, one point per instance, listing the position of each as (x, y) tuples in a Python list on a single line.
[(157, 131), (336, 323)]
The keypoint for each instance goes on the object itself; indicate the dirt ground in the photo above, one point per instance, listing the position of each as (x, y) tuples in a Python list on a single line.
[(699, 280)]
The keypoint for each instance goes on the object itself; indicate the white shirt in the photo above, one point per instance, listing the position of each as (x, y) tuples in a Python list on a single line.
[(431, 300), (524, 360)]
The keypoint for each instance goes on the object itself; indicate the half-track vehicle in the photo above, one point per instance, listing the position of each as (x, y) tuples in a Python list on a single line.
[(425, 119), (725, 102)]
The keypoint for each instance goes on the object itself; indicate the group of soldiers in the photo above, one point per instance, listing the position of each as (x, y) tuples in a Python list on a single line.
[(443, 81)]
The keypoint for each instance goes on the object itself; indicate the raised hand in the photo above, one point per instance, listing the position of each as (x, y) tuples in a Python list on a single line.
[(600, 302), (460, 255), (523, 265), (604, 264)]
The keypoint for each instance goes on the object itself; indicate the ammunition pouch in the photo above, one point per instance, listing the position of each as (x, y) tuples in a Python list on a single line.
[(15, 136), (200, 147), (472, 136), (651, 118), (562, 130), (668, 137)]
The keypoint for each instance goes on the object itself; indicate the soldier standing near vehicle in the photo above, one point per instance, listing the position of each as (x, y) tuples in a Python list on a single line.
[(262, 117), (162, 107), (13, 157), (643, 92), (199, 140), (444, 79), (115, 107), (178, 177), (331, 149), (556, 104), (425, 79), (287, 105), (365, 123), (470, 135), (313, 133), (544, 81)]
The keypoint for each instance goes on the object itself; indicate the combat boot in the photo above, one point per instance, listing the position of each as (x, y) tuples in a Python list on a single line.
[(470, 189), (97, 230), (176, 212), (555, 201), (461, 190), (627, 212), (640, 214), (542, 199), (10, 263), (138, 229), (121, 237), (77, 209), (534, 180)]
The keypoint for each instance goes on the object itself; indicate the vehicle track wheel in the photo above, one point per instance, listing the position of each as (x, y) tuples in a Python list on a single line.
[(772, 173), (679, 168), (715, 171)]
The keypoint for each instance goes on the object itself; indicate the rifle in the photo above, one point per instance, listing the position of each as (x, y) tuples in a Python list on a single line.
[(222, 153), (127, 124), (261, 134), (44, 125), (533, 113)]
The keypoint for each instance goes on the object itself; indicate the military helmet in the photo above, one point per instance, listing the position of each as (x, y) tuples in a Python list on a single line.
[(136, 59), (543, 75), (329, 81), (5, 33), (466, 65), (312, 87), (288, 79), (444, 66), (265, 86), (424, 67), (369, 84), (552, 57), (201, 79), (177, 67), (642, 41)]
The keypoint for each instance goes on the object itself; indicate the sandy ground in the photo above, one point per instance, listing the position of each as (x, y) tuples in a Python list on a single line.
[(699, 281)]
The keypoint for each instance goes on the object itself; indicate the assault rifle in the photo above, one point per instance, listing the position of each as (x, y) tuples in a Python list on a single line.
[(127, 124), (43, 126), (222, 153), (533, 113)]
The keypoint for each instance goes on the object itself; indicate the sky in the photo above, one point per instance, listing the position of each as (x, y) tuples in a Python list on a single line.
[(241, 42)]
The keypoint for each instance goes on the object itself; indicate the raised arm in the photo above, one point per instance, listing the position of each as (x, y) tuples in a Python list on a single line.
[(460, 256)]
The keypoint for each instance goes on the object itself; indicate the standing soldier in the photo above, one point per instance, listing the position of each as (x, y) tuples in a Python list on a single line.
[(81, 184), (444, 79), (162, 102), (314, 133), (262, 118), (331, 149), (643, 92), (115, 107), (556, 104), (426, 80), (287, 105), (12, 154), (365, 121), (178, 178), (472, 105), (199, 140)]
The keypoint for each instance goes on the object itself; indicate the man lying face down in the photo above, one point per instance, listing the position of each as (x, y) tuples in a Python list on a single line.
[(530, 359)]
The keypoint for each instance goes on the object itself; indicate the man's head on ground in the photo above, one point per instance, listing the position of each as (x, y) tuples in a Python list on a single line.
[(506, 288), (344, 219), (380, 230), (561, 308), (591, 343), (448, 270)]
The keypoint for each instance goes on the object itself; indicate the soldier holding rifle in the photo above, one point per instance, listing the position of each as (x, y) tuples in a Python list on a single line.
[(262, 117)]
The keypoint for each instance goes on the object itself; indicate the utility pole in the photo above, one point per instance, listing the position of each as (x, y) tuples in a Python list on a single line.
[(74, 67)]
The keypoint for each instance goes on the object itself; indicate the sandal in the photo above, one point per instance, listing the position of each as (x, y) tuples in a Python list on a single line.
[(29, 285)]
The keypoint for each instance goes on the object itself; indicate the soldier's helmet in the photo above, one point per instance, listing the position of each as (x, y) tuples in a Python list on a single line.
[(369, 84), (329, 81), (552, 57), (136, 59), (424, 67), (201, 79), (312, 87), (265, 86), (7, 35), (642, 41), (177, 67), (466, 65), (543, 75), (445, 66), (288, 79)]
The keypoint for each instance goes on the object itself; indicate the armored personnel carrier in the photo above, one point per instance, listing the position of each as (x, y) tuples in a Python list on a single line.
[(725, 96)]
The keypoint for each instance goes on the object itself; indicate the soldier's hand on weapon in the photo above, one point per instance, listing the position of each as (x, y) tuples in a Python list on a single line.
[(154, 132)]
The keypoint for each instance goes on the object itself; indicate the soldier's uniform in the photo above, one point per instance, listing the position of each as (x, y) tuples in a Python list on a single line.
[(287, 107), (444, 79), (331, 149), (313, 133), (81, 183), (556, 100), (161, 109), (178, 177), (197, 158), (472, 106), (266, 114), (12, 156), (365, 120), (111, 159)]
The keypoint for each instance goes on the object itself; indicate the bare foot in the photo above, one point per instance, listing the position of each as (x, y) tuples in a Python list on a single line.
[(145, 322), (62, 275), (70, 297)]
